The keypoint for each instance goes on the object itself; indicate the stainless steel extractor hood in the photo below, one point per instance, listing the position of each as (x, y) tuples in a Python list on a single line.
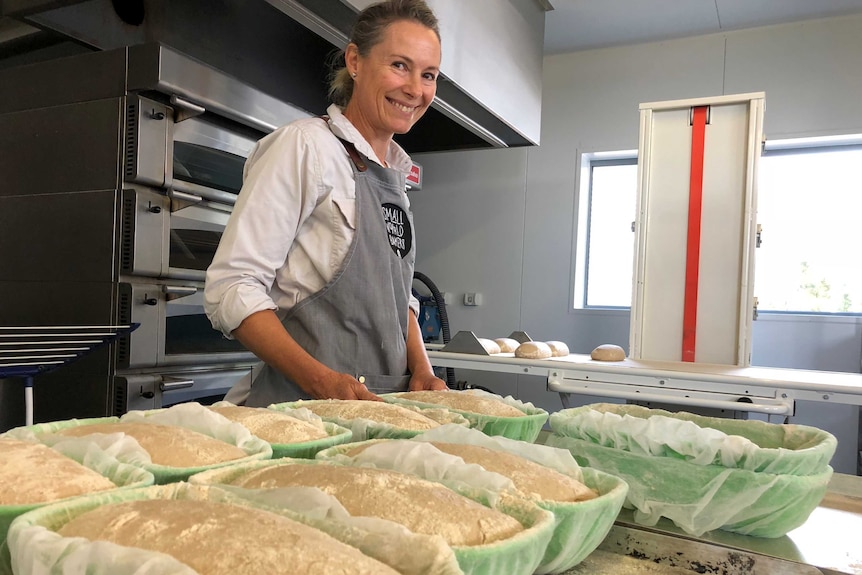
[(489, 93)]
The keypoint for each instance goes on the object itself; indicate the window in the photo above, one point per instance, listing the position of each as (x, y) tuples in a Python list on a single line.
[(810, 209), (608, 205), (809, 206)]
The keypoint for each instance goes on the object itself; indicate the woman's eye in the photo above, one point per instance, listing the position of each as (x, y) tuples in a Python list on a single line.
[(400, 65), (430, 77)]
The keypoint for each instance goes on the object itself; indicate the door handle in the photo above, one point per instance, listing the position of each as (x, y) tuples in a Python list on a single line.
[(174, 383)]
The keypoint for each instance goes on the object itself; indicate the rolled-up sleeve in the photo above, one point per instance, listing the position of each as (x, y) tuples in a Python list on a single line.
[(280, 188)]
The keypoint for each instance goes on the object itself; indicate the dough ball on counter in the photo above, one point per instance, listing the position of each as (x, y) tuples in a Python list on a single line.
[(507, 344), (558, 348), (168, 445), (490, 345), (33, 473), (420, 505), (222, 539), (608, 352), (534, 350)]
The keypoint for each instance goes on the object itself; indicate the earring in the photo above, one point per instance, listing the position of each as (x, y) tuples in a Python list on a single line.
[(353, 75)]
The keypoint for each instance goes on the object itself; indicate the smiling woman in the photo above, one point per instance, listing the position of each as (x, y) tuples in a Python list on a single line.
[(314, 269)]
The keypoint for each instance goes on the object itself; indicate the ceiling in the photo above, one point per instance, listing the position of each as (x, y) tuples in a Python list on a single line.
[(575, 25)]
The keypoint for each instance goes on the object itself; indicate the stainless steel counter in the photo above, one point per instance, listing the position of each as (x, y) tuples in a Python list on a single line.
[(830, 542)]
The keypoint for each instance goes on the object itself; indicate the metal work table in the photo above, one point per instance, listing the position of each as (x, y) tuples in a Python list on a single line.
[(756, 389), (828, 543)]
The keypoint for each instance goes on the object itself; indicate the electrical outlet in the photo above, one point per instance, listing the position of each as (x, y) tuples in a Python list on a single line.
[(472, 298)]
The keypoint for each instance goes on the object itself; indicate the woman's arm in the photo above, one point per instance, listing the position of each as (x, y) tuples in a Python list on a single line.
[(421, 373), (264, 335)]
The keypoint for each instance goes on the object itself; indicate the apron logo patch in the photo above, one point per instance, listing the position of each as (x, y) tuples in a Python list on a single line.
[(398, 229)]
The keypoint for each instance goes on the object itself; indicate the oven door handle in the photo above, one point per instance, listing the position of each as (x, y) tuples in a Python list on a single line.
[(180, 200), (176, 292), (185, 109), (174, 383)]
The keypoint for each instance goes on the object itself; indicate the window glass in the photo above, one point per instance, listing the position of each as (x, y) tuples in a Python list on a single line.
[(810, 209), (610, 240)]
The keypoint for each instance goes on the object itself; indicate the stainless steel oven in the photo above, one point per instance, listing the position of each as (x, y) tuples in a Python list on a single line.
[(174, 329), (181, 180), (121, 170)]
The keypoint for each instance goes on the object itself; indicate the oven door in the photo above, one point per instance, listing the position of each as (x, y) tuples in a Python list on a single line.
[(179, 146), (173, 236), (163, 389), (174, 330)]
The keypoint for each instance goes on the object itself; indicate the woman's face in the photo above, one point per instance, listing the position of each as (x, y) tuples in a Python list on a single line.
[(395, 82)]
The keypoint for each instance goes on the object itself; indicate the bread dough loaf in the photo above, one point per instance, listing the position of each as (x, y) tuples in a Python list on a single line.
[(422, 506), (168, 445), (464, 402), (534, 350), (272, 426), (221, 539), (507, 344), (558, 348), (530, 478), (490, 345), (394, 415), (608, 352), (34, 473)]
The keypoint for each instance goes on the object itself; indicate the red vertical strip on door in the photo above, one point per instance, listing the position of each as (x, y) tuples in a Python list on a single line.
[(692, 254)]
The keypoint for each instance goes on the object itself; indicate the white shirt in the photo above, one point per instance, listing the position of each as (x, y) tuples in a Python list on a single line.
[(293, 222)]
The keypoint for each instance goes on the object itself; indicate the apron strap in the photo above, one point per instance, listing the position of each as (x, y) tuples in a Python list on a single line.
[(355, 157)]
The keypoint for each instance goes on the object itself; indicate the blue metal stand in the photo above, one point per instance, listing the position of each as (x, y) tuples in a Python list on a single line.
[(26, 352)]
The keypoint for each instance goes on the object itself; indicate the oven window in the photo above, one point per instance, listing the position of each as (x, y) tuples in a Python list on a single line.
[(189, 331), (193, 249), (194, 237), (191, 334), (208, 167)]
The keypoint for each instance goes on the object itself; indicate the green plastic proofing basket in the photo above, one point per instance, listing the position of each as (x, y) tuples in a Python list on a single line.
[(702, 497), (518, 555), (336, 435), (36, 549), (368, 430), (525, 428), (124, 476), (579, 527), (779, 449), (163, 474)]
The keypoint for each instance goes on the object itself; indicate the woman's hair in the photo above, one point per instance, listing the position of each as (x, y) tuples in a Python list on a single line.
[(368, 32)]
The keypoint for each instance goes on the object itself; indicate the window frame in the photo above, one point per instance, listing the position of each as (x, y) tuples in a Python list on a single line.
[(589, 160)]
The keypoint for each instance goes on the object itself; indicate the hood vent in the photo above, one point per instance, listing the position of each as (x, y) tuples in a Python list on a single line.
[(282, 47)]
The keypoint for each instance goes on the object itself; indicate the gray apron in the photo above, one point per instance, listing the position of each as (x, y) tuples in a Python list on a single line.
[(357, 323)]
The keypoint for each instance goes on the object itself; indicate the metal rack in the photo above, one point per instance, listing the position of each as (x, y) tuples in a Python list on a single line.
[(28, 351)]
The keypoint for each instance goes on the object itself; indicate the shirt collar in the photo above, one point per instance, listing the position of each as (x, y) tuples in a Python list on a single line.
[(396, 157)]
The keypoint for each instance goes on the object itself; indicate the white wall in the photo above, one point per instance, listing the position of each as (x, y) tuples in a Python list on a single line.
[(501, 222)]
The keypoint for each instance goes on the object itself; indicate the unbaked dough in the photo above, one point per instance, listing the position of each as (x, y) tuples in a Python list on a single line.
[(534, 350), (34, 473), (272, 426), (168, 445), (346, 409), (422, 506), (464, 402), (507, 344), (558, 348), (608, 352), (529, 477), (221, 539), (490, 345)]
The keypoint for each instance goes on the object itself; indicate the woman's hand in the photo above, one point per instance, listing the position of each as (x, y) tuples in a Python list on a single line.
[(335, 385), (426, 381)]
